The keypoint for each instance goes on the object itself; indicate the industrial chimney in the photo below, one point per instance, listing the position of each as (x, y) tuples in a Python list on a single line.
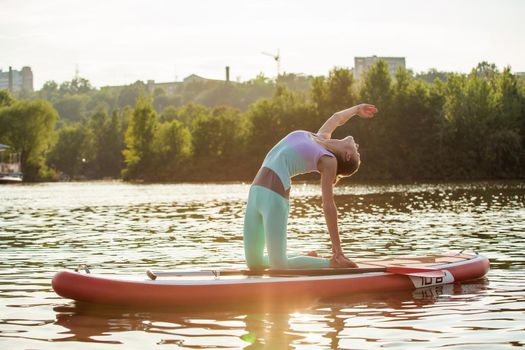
[(10, 79)]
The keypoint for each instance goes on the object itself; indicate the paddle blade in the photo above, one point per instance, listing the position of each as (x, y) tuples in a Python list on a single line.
[(415, 271)]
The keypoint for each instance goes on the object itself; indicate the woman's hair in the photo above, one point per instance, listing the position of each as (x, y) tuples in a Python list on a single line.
[(347, 168)]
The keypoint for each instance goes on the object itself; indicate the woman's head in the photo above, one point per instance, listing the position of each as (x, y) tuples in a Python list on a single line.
[(348, 159)]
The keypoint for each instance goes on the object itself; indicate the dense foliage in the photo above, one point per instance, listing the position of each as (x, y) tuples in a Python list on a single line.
[(28, 127), (431, 126)]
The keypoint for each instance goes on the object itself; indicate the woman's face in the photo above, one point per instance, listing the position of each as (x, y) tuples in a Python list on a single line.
[(350, 148)]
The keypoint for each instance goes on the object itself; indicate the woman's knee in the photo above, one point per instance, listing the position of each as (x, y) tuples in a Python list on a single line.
[(255, 261)]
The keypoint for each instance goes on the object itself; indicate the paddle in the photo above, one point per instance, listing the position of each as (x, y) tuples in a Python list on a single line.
[(399, 270)]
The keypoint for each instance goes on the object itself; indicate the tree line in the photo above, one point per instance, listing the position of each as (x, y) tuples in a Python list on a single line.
[(456, 126), (77, 100)]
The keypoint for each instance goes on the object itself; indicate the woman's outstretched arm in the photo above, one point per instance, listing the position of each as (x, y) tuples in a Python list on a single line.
[(328, 173), (363, 110)]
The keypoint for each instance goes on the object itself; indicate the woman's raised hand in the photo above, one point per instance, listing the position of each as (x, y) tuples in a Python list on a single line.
[(365, 110)]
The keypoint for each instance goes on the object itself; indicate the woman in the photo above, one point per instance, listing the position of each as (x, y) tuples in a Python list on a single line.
[(267, 209)]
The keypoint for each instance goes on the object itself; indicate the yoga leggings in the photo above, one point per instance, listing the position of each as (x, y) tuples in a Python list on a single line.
[(265, 225)]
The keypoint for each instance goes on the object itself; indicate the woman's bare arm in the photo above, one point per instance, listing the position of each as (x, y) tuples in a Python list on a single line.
[(364, 110), (328, 169), (328, 174)]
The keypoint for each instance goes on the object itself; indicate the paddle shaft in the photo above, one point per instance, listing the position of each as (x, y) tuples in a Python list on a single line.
[(413, 271)]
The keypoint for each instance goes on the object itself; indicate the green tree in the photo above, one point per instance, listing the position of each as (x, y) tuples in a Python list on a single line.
[(190, 112), (6, 99), (161, 99), (172, 147), (373, 135), (104, 98), (71, 108), (70, 153), (168, 114), (215, 135), (433, 125), (49, 91), (334, 93), (411, 129), (295, 82), (487, 71), (377, 86), (106, 144), (431, 75), (76, 86), (138, 153), (129, 95), (28, 126), (505, 149), (269, 120), (470, 105)]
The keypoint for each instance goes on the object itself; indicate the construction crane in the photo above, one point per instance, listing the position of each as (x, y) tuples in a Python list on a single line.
[(277, 59)]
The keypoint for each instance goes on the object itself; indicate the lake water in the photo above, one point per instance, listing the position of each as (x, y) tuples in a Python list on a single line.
[(119, 227)]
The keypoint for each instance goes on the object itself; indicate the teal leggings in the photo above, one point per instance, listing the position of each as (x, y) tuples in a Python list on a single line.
[(265, 225)]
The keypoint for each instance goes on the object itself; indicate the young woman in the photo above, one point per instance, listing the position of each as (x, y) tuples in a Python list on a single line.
[(267, 209)]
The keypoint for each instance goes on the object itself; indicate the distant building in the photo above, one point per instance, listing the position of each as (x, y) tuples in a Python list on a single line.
[(14, 80), (362, 64), (171, 87), (194, 78)]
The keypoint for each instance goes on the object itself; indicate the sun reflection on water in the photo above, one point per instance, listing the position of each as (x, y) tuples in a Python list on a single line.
[(117, 227)]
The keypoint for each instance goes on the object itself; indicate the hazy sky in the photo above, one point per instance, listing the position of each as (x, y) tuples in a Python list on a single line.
[(120, 41)]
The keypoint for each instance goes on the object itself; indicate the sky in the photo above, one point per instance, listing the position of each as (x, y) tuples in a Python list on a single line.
[(116, 42)]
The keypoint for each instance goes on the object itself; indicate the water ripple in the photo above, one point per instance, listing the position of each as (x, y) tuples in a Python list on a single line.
[(114, 226)]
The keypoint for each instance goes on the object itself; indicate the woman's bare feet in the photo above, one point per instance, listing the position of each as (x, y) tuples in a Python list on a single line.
[(313, 253), (339, 260)]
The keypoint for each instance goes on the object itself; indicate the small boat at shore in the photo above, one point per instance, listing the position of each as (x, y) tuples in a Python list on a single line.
[(214, 287), (10, 166)]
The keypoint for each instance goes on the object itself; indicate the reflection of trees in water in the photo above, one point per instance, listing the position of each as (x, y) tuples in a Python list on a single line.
[(257, 326)]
